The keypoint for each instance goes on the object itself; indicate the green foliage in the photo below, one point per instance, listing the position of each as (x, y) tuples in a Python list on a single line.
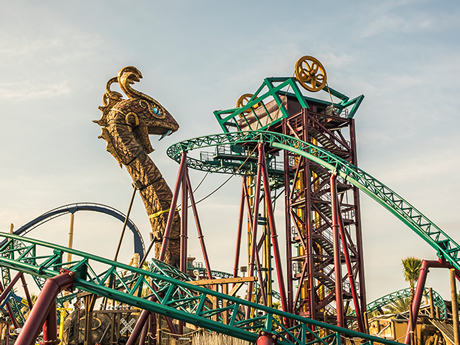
[(399, 306), (277, 306), (411, 270)]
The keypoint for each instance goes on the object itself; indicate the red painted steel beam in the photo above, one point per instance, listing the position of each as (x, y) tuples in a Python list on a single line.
[(7, 290), (287, 219), (142, 321), (45, 305), (172, 209), (5, 293), (10, 311), (183, 228), (426, 264), (50, 327), (144, 332), (350, 275), (255, 216), (140, 324), (266, 338), (26, 291), (274, 235), (240, 229), (359, 236), (312, 295), (198, 226), (183, 245), (337, 263)]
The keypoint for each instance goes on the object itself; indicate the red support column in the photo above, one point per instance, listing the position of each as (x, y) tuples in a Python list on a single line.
[(183, 229), (240, 229), (336, 243), (43, 307), (309, 251), (10, 286), (142, 320), (172, 208), (153, 329), (144, 332), (183, 245), (266, 338), (274, 235), (26, 291), (50, 327), (10, 311), (426, 264), (359, 236), (140, 324), (287, 219), (255, 217), (198, 226), (351, 278)]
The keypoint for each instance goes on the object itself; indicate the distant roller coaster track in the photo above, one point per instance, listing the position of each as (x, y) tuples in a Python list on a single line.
[(386, 300), (446, 248), (139, 246)]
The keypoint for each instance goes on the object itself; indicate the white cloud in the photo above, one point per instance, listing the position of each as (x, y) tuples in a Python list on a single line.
[(43, 67), (394, 16), (33, 90)]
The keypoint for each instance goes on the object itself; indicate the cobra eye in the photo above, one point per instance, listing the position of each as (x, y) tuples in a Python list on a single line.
[(155, 110)]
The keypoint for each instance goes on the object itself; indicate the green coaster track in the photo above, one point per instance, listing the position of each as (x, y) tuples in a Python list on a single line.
[(176, 299), (182, 301), (139, 247), (383, 301), (446, 248)]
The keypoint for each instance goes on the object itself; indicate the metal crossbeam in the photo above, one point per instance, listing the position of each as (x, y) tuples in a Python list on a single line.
[(444, 245), (175, 298), (383, 301)]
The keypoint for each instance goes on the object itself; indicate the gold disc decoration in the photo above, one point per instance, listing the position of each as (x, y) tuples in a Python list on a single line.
[(310, 73), (243, 100)]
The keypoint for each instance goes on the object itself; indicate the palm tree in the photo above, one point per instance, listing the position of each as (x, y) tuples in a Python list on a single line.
[(411, 271), (399, 306)]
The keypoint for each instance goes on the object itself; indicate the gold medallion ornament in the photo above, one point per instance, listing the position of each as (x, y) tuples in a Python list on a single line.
[(243, 100), (310, 73)]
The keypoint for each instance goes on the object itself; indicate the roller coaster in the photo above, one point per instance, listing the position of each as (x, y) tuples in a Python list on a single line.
[(317, 176)]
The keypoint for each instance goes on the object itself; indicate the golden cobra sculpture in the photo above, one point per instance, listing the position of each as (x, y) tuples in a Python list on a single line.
[(126, 125)]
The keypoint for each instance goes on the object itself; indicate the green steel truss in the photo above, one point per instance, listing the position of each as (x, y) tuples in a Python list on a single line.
[(445, 246), (383, 301), (275, 88), (175, 298)]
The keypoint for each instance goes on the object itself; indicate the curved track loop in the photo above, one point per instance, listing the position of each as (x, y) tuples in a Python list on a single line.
[(446, 248), (139, 246), (405, 293), (175, 298)]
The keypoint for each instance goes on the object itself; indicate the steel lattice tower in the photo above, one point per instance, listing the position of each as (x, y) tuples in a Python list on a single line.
[(311, 283), (323, 275)]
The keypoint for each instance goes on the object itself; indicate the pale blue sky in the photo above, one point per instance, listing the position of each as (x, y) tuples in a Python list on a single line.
[(199, 56)]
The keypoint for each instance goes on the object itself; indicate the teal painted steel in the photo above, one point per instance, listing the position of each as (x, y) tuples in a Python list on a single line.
[(444, 245), (176, 299), (139, 246), (405, 293), (229, 118)]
